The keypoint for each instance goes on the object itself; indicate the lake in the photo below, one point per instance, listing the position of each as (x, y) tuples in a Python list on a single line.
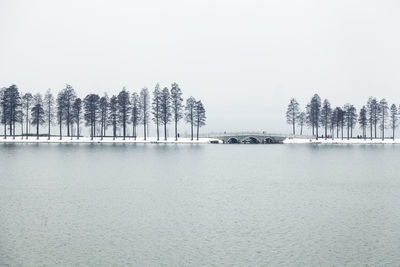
[(196, 205)]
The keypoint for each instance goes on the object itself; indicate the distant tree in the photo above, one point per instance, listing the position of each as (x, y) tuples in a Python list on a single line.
[(77, 114), (333, 122), (91, 109), (14, 102), (177, 106), (373, 110), (292, 114), (325, 115), (113, 114), (123, 110), (200, 117), (363, 121), (156, 108), (135, 118), (26, 104), (340, 117), (37, 113), (165, 109), (69, 98), (189, 113), (394, 116), (350, 114), (302, 121), (313, 113), (103, 115), (60, 110), (4, 108), (383, 113), (49, 109), (144, 109)]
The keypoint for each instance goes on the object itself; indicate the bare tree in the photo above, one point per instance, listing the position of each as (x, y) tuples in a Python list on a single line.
[(156, 108), (77, 111), (177, 106), (302, 121), (383, 113), (292, 114), (394, 116), (325, 115), (26, 104), (123, 109), (49, 107), (189, 113), (37, 113), (113, 116), (103, 105), (144, 109), (165, 109), (363, 121), (200, 115), (135, 118)]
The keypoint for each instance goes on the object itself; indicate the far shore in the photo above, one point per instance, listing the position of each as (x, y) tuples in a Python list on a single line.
[(128, 140), (340, 141)]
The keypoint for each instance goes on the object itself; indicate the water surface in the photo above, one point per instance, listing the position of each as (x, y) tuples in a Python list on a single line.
[(193, 205)]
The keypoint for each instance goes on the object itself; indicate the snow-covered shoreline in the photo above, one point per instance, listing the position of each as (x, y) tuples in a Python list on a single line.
[(128, 140), (340, 141)]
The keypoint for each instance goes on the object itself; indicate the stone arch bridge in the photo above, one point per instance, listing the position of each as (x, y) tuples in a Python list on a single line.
[(251, 138)]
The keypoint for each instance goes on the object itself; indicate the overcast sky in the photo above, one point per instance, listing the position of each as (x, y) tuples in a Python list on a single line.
[(243, 59)]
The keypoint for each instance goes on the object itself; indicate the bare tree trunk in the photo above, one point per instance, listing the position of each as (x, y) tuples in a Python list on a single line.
[(176, 130)]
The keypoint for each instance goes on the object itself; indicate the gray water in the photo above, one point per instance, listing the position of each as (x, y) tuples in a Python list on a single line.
[(196, 205)]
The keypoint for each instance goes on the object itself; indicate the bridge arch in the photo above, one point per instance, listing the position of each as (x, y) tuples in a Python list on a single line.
[(251, 140), (233, 140), (268, 140)]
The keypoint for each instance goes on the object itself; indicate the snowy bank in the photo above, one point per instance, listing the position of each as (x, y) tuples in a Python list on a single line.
[(339, 141), (128, 140)]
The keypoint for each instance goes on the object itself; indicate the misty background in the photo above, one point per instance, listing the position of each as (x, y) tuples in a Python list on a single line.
[(243, 59)]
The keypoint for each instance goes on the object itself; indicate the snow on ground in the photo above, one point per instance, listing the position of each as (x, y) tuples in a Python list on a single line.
[(54, 139), (340, 141)]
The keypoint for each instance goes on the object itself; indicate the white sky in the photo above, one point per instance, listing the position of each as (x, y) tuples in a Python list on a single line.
[(244, 59)]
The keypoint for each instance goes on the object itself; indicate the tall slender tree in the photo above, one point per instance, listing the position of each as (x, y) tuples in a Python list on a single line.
[(315, 112), (177, 106), (326, 115), (373, 111), (189, 113), (49, 109), (165, 109), (350, 114), (292, 114), (103, 115), (156, 108), (383, 113), (394, 117), (123, 110), (77, 115), (14, 102), (4, 108), (27, 99), (135, 118), (302, 121), (363, 121), (144, 109), (37, 113), (200, 115), (113, 114), (91, 110), (69, 98)]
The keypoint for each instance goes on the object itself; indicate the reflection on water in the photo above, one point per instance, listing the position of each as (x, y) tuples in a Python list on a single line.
[(191, 205)]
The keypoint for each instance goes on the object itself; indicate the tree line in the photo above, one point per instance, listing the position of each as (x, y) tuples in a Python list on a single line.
[(99, 113), (373, 117)]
